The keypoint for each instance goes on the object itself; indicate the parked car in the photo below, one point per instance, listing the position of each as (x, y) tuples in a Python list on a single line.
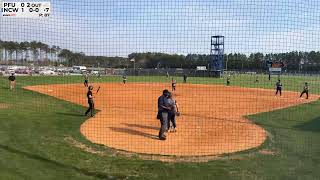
[(47, 72), (95, 72)]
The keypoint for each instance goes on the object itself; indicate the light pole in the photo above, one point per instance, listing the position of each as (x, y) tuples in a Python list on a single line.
[(134, 65), (227, 63)]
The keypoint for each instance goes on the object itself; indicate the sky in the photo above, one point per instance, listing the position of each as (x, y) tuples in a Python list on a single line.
[(120, 27)]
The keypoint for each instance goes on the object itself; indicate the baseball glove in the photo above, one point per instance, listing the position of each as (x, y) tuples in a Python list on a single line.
[(178, 113)]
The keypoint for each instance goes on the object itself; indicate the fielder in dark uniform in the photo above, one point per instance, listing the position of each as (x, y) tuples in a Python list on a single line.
[(185, 78), (228, 80), (90, 101), (305, 90), (86, 81), (163, 109), (278, 87), (173, 84), (124, 79), (12, 80)]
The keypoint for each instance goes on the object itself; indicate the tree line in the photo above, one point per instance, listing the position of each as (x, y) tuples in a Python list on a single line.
[(293, 61), (21, 52), (43, 54)]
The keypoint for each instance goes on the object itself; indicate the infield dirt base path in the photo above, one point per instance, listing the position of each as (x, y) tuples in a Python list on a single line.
[(212, 120)]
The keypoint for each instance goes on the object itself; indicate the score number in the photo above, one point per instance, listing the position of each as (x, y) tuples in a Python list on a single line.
[(26, 9)]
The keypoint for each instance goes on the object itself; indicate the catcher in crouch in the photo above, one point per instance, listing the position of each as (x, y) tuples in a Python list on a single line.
[(172, 114)]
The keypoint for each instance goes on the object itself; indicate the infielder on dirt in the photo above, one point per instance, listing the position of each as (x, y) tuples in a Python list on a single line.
[(305, 90), (278, 87), (124, 79), (90, 101), (86, 81), (228, 80), (173, 84)]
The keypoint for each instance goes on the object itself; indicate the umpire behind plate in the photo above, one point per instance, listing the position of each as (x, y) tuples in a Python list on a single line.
[(163, 110)]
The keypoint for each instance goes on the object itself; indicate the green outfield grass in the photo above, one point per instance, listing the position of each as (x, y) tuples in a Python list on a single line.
[(34, 129), (290, 83)]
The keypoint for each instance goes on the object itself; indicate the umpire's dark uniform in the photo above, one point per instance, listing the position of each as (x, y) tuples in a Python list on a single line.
[(185, 78), (90, 102), (163, 109)]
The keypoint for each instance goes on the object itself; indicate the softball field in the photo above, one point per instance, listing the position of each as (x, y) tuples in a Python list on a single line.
[(213, 119)]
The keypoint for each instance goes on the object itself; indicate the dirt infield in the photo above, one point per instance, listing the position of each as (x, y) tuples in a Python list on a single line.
[(212, 120)]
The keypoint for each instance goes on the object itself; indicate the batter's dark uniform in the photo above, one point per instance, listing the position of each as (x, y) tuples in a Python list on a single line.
[(91, 103), (12, 80), (278, 87), (228, 81), (124, 79), (305, 90), (173, 85)]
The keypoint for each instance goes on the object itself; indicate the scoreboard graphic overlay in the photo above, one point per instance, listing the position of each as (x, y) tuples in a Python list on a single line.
[(25, 9)]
